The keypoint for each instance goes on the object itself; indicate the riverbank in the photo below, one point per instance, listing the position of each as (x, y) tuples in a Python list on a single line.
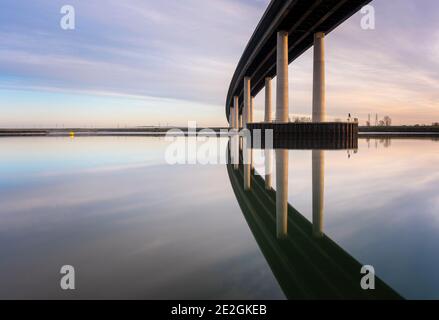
[(393, 131), (140, 131), (399, 129)]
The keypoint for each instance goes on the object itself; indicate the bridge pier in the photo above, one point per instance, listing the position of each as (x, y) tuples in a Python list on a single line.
[(236, 112), (252, 108), (318, 186), (282, 112), (318, 97), (268, 97), (247, 100), (250, 120), (282, 192), (230, 118)]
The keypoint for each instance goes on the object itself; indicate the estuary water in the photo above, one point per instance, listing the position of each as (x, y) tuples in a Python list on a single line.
[(134, 226)]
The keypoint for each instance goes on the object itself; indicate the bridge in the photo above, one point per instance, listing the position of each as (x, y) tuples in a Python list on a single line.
[(306, 263), (287, 29)]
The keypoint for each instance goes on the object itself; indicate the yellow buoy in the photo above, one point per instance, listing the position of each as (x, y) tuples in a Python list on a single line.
[(72, 134)]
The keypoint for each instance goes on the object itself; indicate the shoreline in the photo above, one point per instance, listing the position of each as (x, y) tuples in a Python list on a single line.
[(364, 132)]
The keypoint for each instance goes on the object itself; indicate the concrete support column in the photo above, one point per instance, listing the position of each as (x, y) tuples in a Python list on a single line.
[(318, 186), (318, 96), (282, 111), (240, 121), (247, 100), (281, 193), (268, 98), (232, 118), (236, 112), (250, 120), (252, 109)]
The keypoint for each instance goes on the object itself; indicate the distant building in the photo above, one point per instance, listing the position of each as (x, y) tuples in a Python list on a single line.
[(368, 120)]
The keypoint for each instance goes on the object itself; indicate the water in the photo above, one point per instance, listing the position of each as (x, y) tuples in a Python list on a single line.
[(134, 226)]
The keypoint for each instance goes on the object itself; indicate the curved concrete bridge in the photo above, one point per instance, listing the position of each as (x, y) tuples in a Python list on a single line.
[(287, 29)]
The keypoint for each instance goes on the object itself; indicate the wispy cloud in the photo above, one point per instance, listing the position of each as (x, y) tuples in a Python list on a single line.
[(187, 51)]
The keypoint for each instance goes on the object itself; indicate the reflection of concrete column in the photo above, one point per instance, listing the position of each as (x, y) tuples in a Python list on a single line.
[(281, 192), (318, 97), (268, 98), (247, 159), (235, 151), (318, 186), (247, 170), (282, 77), (231, 153), (247, 100), (236, 112), (268, 167)]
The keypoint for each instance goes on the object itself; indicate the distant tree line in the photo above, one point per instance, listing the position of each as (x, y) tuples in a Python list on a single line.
[(385, 122)]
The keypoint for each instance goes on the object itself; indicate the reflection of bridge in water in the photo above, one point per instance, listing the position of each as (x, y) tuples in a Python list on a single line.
[(306, 263)]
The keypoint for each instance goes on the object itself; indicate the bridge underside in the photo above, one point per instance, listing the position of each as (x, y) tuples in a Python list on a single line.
[(302, 19)]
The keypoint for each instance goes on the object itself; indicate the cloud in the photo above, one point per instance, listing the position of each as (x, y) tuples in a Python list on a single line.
[(188, 50), (140, 47)]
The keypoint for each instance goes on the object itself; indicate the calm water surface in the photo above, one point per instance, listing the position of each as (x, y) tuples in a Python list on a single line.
[(134, 226)]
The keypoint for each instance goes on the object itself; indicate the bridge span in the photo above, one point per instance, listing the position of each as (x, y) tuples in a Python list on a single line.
[(287, 29)]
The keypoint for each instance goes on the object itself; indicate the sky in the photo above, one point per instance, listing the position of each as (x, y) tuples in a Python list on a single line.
[(145, 62)]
